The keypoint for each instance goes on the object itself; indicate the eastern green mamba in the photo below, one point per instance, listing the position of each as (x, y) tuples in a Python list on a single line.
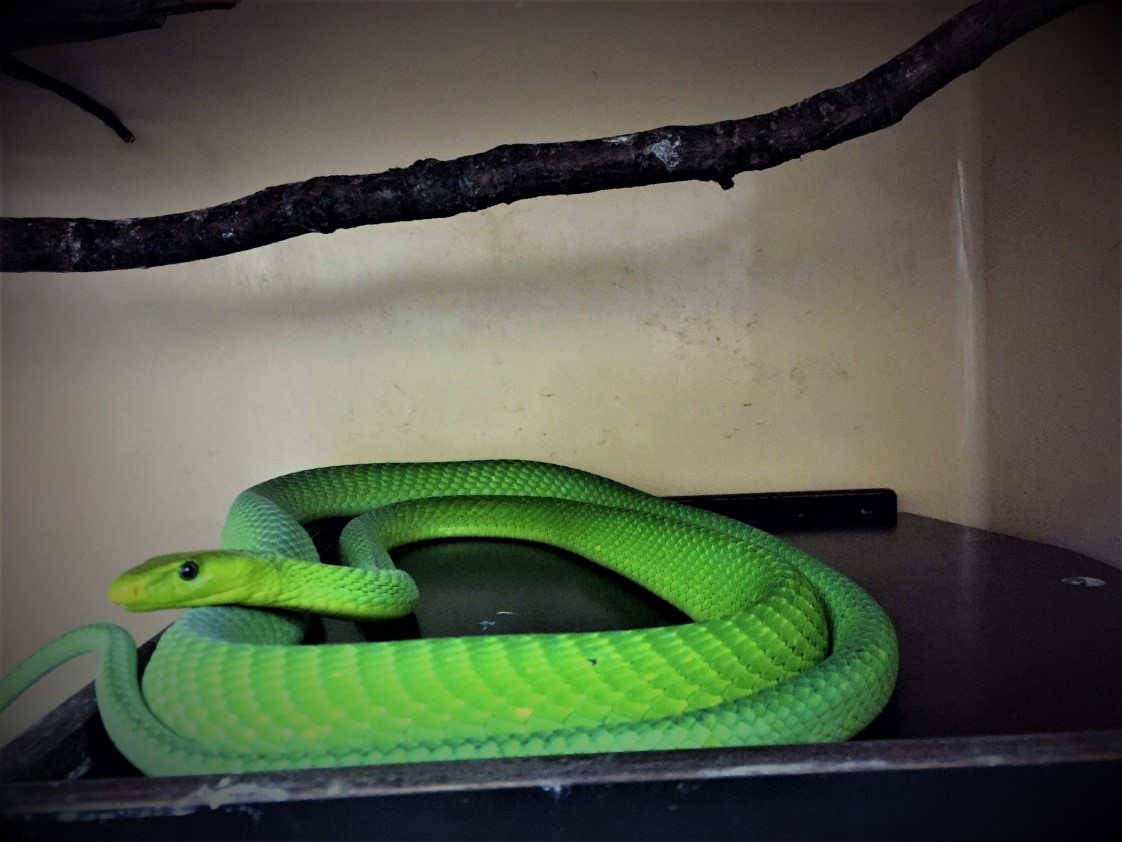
[(782, 649)]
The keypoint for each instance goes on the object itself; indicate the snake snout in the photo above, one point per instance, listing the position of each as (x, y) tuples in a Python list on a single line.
[(126, 593)]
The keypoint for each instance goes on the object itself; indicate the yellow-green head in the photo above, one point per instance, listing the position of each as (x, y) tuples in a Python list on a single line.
[(184, 580)]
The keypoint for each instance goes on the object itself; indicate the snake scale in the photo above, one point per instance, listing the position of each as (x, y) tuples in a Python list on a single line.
[(781, 649)]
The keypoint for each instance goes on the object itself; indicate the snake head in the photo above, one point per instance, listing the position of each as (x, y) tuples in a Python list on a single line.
[(183, 580)]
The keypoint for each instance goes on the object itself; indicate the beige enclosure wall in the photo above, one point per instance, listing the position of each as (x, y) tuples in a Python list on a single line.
[(933, 308)]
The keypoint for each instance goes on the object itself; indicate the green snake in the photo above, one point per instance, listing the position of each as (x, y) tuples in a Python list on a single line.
[(781, 649)]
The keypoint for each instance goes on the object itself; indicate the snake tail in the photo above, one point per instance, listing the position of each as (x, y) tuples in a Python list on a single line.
[(120, 701)]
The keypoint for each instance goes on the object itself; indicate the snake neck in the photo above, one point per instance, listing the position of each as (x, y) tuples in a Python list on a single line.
[(333, 591)]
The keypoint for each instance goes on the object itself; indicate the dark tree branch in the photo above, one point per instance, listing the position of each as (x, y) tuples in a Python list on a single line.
[(18, 70), (38, 23), (430, 189)]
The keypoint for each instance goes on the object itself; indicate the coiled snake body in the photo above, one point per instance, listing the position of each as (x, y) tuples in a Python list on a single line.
[(781, 649)]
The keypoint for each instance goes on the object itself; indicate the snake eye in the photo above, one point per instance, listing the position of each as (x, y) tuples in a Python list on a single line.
[(188, 570)]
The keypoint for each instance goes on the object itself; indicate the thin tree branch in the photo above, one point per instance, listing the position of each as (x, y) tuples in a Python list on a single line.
[(39, 23), (431, 189), (15, 68)]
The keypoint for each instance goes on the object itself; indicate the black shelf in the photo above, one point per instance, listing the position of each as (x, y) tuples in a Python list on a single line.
[(1006, 720)]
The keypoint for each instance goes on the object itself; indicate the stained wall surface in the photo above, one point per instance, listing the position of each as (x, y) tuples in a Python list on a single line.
[(932, 308)]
